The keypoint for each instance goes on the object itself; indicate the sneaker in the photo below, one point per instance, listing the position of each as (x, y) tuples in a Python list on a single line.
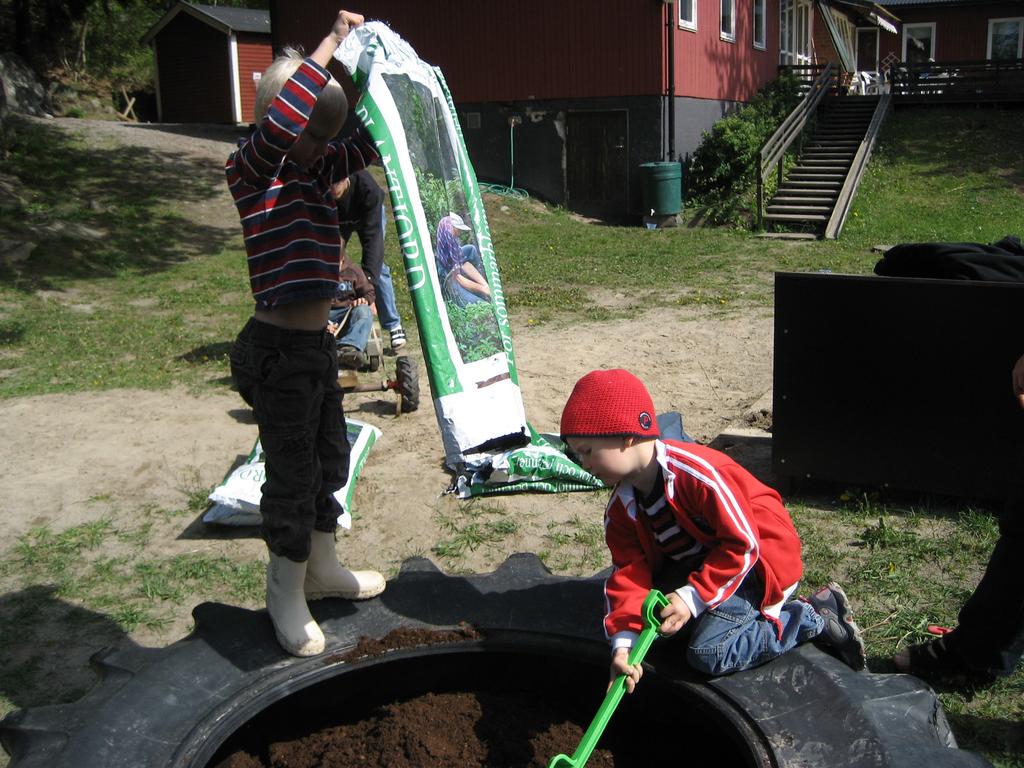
[(840, 635), (397, 338)]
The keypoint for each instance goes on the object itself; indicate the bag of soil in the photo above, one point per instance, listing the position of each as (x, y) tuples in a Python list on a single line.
[(236, 501), (451, 270)]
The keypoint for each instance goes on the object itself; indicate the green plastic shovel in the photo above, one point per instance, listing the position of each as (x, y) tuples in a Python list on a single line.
[(652, 602)]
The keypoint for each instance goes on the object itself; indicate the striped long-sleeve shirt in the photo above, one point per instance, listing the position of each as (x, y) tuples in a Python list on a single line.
[(740, 523), (289, 218)]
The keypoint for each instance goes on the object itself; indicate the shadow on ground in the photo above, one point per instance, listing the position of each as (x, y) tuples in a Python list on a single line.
[(97, 211), (45, 647)]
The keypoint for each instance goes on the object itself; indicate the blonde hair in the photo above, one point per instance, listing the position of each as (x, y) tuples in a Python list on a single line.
[(331, 106)]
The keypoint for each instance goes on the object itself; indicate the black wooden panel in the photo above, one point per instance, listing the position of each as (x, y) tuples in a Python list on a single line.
[(899, 382)]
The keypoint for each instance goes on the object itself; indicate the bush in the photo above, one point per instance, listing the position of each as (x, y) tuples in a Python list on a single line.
[(724, 165)]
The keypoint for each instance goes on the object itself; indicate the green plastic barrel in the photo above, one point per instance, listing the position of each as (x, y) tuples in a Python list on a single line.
[(661, 188)]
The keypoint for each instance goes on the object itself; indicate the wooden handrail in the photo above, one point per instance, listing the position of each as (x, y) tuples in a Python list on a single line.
[(792, 127), (860, 162)]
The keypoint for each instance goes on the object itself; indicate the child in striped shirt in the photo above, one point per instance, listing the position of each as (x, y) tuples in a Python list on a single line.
[(690, 521), (283, 361)]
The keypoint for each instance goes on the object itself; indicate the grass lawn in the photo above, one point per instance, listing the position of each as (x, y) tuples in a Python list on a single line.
[(156, 299)]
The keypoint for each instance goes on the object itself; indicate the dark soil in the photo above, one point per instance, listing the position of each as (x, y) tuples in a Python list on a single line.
[(405, 637), (461, 730), (458, 729)]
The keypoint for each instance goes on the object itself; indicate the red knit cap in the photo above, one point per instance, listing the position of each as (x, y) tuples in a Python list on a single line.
[(609, 404)]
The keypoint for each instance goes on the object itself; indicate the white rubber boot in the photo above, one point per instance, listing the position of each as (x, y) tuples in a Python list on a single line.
[(296, 630), (326, 577)]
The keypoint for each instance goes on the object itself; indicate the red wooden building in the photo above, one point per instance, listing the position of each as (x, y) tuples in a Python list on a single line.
[(956, 30), (916, 31), (208, 61), (568, 98)]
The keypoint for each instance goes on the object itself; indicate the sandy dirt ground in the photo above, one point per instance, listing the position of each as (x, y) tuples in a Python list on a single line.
[(74, 458)]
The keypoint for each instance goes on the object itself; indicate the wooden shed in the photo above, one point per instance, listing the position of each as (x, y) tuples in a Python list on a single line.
[(208, 62)]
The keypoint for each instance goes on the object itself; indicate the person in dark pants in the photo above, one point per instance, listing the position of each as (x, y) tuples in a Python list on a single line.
[(283, 360), (361, 211), (988, 641)]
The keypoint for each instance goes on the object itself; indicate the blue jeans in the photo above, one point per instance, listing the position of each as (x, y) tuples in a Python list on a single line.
[(371, 226), (735, 636), (387, 310), (450, 286), (357, 330)]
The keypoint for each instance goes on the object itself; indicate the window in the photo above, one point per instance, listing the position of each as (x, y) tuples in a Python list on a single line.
[(729, 20), (760, 24), (688, 14), (795, 32), (919, 43), (1005, 39)]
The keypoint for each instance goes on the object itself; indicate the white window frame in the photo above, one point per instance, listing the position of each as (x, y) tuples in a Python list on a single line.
[(795, 32), (688, 15), (1020, 35), (906, 36), (728, 35), (786, 14), (760, 35)]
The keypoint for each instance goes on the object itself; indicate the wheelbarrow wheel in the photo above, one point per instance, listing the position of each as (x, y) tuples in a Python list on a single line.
[(408, 383)]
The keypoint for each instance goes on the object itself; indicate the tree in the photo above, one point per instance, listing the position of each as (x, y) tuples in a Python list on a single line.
[(100, 38)]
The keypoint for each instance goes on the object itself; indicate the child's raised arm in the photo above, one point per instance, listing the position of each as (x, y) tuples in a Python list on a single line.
[(339, 31)]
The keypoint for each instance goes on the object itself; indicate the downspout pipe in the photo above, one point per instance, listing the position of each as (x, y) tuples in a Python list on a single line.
[(671, 100)]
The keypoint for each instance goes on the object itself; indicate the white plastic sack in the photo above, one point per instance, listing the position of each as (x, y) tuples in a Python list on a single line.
[(236, 501)]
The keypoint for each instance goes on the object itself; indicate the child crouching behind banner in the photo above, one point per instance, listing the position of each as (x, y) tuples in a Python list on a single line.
[(351, 317), (690, 521), (283, 361)]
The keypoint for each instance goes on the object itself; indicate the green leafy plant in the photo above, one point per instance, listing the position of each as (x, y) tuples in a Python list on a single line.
[(475, 330), (439, 196), (724, 164)]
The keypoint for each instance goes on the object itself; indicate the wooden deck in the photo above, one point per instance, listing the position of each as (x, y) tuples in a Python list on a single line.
[(937, 82), (957, 82)]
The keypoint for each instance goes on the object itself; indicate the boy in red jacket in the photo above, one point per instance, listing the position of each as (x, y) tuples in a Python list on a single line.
[(689, 520)]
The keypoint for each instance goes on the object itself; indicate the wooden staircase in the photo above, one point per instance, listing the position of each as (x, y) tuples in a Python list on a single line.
[(807, 197)]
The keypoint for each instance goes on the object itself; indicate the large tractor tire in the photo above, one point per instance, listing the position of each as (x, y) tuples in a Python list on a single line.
[(182, 706)]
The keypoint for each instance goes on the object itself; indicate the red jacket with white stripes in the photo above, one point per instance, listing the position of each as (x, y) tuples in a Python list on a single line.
[(740, 521), (289, 217)]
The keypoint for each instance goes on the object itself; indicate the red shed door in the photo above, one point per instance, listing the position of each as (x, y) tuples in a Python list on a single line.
[(595, 164)]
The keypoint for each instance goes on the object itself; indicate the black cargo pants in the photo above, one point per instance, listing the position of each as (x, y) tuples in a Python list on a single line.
[(290, 378)]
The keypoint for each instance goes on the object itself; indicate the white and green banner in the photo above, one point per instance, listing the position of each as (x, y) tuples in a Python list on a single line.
[(451, 270)]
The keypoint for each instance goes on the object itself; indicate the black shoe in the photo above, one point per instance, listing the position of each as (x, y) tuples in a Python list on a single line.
[(936, 660), (350, 358), (841, 635)]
